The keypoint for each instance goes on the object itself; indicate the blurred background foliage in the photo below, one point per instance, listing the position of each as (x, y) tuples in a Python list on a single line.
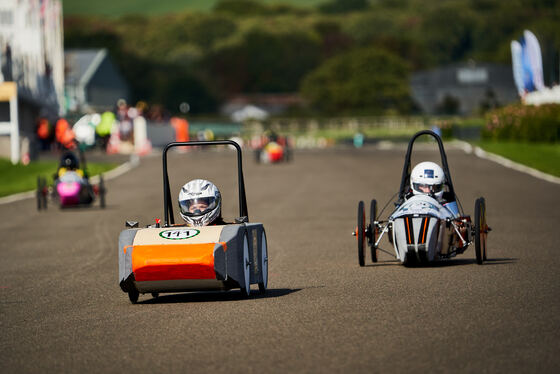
[(349, 55)]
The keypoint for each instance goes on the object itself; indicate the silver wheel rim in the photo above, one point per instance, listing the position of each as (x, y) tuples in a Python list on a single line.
[(246, 265)]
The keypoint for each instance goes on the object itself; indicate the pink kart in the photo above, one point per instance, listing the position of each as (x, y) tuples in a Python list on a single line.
[(71, 186)]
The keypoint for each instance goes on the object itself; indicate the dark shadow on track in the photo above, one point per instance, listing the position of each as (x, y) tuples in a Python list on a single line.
[(466, 261), (446, 263), (85, 208), (384, 263), (215, 296)]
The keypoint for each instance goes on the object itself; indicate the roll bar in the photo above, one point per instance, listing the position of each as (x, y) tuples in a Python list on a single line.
[(168, 206), (405, 180)]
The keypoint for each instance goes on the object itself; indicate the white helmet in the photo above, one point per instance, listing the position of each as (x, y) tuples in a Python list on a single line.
[(427, 178), (200, 202)]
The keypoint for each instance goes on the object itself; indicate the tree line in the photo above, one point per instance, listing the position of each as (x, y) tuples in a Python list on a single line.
[(344, 56)]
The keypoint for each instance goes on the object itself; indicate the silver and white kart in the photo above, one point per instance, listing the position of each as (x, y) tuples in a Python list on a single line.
[(421, 228)]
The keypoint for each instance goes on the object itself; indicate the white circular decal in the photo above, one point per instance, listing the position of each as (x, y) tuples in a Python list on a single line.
[(179, 234)]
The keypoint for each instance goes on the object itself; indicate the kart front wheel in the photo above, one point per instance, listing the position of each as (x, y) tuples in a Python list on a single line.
[(360, 234), (133, 295), (372, 234), (481, 230)]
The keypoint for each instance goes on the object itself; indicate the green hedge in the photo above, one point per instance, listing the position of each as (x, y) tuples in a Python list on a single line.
[(524, 123)]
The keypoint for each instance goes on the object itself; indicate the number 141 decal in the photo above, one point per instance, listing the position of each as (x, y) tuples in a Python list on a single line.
[(179, 234)]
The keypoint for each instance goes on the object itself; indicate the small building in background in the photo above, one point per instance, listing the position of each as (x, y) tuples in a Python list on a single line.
[(32, 63), (92, 81), (273, 104), (463, 89)]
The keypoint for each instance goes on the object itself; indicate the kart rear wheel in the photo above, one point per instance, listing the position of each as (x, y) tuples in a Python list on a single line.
[(258, 156), (45, 193), (288, 154), (101, 191), (133, 295), (246, 268), (263, 284), (361, 233), (480, 230), (373, 230), (39, 193)]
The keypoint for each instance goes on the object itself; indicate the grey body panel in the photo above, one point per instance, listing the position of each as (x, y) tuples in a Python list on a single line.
[(126, 238)]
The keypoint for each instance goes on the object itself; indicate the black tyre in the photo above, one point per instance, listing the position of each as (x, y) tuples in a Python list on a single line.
[(288, 154), (101, 191), (373, 230), (258, 156), (360, 235), (133, 295), (480, 230), (39, 193), (45, 193), (263, 283)]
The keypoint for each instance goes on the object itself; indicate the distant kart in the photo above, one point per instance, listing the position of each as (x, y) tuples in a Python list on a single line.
[(71, 186), (421, 229), (273, 150), (178, 258)]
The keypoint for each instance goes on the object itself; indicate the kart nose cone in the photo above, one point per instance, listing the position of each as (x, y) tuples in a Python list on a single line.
[(68, 192)]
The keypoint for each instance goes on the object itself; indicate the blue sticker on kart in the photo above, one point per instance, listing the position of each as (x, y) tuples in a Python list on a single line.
[(179, 234), (428, 173)]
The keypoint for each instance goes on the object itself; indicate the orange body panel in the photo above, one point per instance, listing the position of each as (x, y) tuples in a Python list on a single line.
[(173, 261)]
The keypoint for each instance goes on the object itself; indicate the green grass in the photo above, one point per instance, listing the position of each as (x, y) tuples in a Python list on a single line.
[(21, 178), (369, 132), (119, 8), (541, 156)]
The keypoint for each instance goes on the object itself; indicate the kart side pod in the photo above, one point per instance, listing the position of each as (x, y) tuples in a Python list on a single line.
[(176, 259)]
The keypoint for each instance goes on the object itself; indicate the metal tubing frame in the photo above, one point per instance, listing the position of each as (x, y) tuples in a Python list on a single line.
[(168, 206), (406, 169)]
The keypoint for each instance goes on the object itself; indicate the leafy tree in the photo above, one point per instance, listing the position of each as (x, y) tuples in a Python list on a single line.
[(448, 30), (205, 31), (334, 40), (343, 6), (364, 79), (241, 7), (264, 62)]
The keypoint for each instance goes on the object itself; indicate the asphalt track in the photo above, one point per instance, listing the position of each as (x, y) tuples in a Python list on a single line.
[(61, 309)]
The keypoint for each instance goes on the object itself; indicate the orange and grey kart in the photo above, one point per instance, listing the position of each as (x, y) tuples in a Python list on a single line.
[(176, 258), (422, 228)]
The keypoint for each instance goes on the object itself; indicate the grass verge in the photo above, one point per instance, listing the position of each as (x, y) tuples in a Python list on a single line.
[(541, 156), (21, 178)]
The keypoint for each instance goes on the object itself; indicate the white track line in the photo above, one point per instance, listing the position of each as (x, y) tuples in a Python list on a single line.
[(113, 173), (479, 152)]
